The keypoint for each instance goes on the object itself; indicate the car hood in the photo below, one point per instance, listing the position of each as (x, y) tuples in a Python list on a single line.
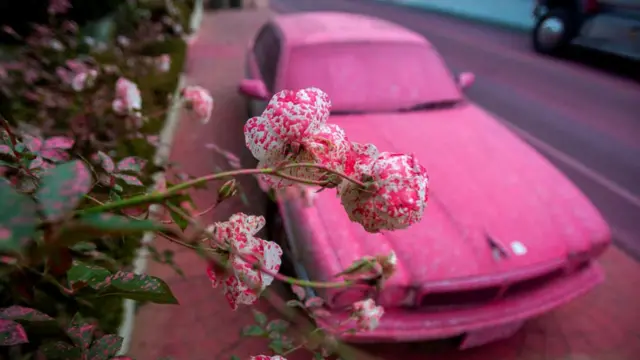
[(495, 204)]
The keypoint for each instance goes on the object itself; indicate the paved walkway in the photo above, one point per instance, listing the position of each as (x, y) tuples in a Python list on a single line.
[(512, 13), (202, 326), (603, 325)]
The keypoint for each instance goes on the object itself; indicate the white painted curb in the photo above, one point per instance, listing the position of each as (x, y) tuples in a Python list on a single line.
[(161, 157)]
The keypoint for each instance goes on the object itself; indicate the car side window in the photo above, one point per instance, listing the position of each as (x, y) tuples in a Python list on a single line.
[(267, 53)]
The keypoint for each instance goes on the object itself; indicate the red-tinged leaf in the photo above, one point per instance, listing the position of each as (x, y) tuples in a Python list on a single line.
[(313, 302), (131, 180), (12, 333), (59, 142), (32, 143), (321, 313), (18, 219), (81, 332), (141, 287), (299, 291), (105, 347), (107, 180), (132, 163), (55, 155), (62, 188), (5, 150), (24, 313), (104, 161), (36, 163), (60, 350), (121, 358), (59, 261)]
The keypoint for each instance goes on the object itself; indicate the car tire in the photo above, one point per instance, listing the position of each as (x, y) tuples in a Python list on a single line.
[(276, 232), (554, 31)]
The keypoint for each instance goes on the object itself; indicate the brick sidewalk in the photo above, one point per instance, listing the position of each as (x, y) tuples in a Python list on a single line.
[(598, 326), (202, 326)]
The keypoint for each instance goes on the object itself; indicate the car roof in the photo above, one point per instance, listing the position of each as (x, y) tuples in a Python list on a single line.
[(338, 27)]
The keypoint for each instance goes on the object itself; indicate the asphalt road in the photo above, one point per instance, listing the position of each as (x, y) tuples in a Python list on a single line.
[(582, 111)]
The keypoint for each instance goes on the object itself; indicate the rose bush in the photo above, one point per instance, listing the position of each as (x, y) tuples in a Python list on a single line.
[(75, 188)]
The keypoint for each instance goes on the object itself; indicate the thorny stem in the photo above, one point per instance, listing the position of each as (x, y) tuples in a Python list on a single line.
[(156, 197)]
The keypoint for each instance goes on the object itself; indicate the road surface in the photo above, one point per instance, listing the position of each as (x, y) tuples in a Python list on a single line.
[(584, 117)]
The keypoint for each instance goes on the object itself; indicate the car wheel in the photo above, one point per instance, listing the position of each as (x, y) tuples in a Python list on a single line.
[(276, 232), (553, 31)]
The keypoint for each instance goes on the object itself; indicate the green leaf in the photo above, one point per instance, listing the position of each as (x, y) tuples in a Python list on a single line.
[(295, 303), (81, 331), (105, 347), (253, 330), (277, 326), (18, 219), (84, 246), (92, 275), (24, 313), (106, 223), (277, 346), (61, 350), (234, 357), (260, 318), (140, 287), (12, 333), (178, 220), (62, 188)]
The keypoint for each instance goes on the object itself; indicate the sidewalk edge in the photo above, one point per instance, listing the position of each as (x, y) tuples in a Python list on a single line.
[(162, 156)]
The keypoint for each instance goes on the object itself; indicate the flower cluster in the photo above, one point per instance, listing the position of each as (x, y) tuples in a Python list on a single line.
[(294, 129), (235, 241), (199, 101), (367, 315), (127, 98)]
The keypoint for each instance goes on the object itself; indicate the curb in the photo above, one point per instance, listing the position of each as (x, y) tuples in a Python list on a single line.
[(459, 15), (161, 157)]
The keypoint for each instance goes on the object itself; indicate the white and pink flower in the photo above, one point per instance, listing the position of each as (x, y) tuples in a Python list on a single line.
[(84, 80), (293, 128), (397, 194), (127, 98), (163, 63), (235, 239), (367, 315), (200, 101)]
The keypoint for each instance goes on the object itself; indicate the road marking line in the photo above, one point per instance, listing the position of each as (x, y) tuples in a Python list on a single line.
[(576, 165)]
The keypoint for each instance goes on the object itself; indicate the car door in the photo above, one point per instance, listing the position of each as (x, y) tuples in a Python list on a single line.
[(265, 54)]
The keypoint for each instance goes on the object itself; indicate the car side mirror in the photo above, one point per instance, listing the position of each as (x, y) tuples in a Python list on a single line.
[(466, 79), (254, 88)]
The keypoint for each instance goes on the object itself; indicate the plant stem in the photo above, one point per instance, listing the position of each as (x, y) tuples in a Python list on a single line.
[(157, 197), (258, 265)]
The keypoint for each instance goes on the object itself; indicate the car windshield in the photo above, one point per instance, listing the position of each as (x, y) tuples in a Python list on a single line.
[(373, 77)]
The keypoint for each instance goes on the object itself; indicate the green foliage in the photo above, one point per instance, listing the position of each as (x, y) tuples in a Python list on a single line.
[(75, 265)]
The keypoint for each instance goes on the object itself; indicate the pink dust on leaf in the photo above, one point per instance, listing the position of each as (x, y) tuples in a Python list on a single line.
[(12, 333)]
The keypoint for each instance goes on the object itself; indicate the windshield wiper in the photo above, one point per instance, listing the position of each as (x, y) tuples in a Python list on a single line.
[(347, 112), (433, 105)]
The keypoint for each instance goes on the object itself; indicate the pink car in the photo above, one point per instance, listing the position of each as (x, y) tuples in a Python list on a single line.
[(506, 236)]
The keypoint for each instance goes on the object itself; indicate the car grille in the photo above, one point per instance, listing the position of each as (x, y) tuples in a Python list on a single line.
[(481, 296)]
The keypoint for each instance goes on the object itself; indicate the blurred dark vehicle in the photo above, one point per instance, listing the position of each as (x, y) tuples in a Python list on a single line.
[(20, 14), (611, 26)]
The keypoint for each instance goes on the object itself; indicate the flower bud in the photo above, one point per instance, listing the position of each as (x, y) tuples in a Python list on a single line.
[(227, 190)]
